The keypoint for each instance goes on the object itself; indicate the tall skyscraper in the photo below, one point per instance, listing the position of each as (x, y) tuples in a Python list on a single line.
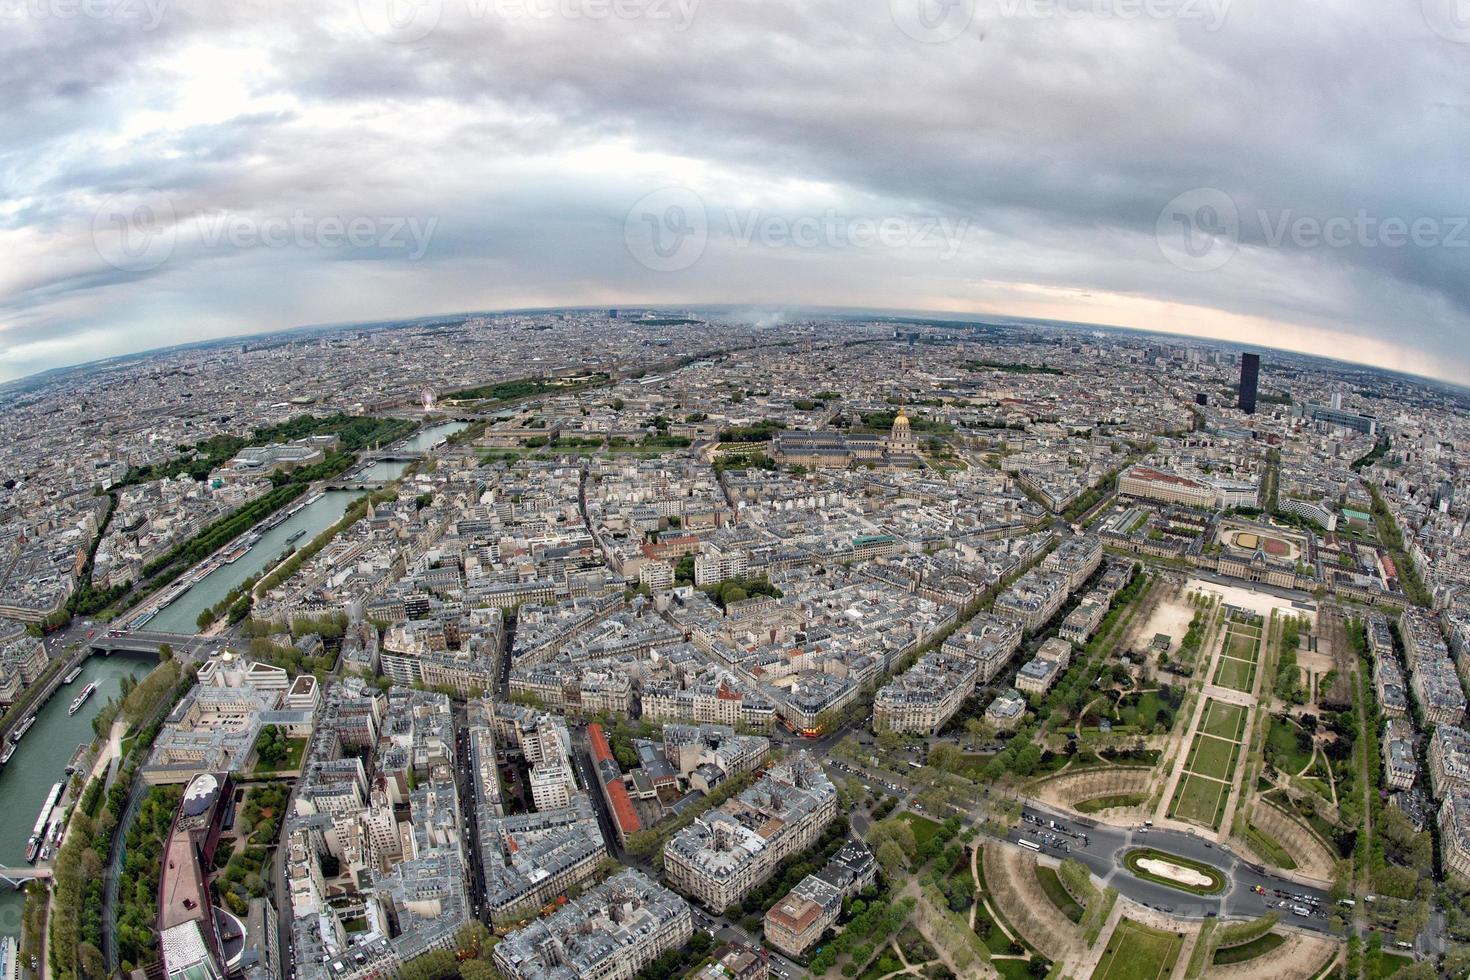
[(1250, 375)]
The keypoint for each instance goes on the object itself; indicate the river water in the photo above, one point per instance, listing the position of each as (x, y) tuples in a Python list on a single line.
[(182, 615), (41, 759), (429, 437), (46, 749)]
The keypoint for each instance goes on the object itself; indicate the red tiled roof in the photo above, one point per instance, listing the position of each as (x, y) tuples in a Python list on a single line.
[(600, 750), (622, 807)]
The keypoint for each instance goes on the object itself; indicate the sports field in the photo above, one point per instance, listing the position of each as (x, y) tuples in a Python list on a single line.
[(1273, 546), (1209, 769), (1136, 952)]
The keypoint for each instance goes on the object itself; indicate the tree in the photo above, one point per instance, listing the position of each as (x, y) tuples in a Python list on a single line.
[(946, 756), (478, 970), (891, 856), (165, 652)]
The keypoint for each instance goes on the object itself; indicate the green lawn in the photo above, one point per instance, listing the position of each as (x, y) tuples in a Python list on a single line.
[(1200, 800), (1133, 862), (1238, 675), (1269, 848), (295, 747), (1013, 969), (1057, 892), (1386, 966), (1213, 757), (1136, 952), (923, 827), (1106, 802), (1242, 647), (1283, 739), (1142, 710), (1250, 950), (1224, 720)]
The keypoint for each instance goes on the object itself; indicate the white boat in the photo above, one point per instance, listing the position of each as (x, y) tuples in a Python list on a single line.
[(72, 675), (25, 726), (38, 833), (81, 699)]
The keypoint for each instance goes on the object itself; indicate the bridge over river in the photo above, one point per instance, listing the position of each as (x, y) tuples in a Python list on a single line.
[(17, 877)]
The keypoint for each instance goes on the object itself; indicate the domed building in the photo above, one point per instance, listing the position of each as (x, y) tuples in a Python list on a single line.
[(840, 448), (901, 439)]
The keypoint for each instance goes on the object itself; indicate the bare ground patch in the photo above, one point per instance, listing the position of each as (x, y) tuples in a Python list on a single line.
[(1299, 958), (1018, 896)]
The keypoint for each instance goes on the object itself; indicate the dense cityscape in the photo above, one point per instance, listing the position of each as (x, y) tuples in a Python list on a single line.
[(639, 643)]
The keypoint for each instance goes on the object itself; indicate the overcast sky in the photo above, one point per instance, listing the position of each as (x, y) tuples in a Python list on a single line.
[(1283, 174)]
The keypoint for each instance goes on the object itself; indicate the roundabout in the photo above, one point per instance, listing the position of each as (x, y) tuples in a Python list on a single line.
[(1177, 872)]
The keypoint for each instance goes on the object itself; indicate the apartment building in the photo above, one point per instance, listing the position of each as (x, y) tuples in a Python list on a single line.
[(924, 697), (724, 854), (1449, 760), (1400, 767), (612, 932)]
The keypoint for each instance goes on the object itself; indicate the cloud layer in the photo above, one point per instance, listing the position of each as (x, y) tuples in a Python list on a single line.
[(1267, 173)]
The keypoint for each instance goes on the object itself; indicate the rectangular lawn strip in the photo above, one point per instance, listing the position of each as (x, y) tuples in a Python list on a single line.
[(1223, 720), (1214, 757), (1199, 798), (1238, 675), (1136, 952), (1242, 647)]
